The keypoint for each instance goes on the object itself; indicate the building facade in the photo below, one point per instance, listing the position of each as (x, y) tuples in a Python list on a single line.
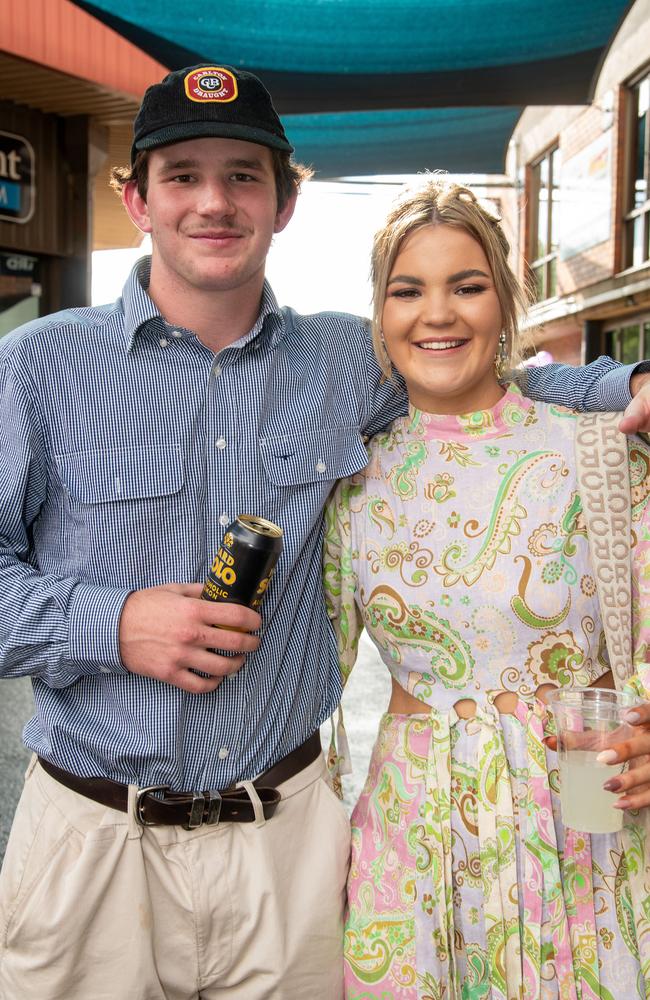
[(581, 211), (69, 89)]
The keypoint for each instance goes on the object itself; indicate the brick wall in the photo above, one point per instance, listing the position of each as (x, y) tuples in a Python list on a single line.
[(562, 339), (597, 262)]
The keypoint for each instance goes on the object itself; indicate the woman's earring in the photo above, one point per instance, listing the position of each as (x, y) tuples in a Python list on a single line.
[(501, 358)]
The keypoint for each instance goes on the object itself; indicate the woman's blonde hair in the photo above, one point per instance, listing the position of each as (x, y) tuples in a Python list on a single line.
[(440, 202)]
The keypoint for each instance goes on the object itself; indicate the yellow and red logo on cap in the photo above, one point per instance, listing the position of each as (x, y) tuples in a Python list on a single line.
[(211, 83)]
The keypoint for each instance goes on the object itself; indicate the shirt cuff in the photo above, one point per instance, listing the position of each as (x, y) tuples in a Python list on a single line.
[(614, 386), (93, 636)]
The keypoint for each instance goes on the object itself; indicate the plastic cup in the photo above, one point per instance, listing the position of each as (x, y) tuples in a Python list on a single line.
[(588, 721)]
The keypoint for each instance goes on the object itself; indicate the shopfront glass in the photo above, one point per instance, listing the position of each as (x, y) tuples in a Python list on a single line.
[(630, 342), (20, 290)]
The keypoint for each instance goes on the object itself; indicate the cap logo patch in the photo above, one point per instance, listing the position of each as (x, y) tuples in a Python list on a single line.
[(211, 83)]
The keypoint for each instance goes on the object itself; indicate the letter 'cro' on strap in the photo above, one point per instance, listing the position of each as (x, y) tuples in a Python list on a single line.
[(603, 473)]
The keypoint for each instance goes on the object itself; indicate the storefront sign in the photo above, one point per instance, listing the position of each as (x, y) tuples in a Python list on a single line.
[(17, 171), (586, 197), (19, 265)]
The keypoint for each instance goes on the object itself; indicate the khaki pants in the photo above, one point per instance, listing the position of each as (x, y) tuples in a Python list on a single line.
[(94, 907)]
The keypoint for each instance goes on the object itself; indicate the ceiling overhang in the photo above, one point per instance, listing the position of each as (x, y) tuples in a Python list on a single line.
[(51, 92)]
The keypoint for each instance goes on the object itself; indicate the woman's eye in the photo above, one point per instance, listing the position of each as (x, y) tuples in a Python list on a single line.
[(469, 290), (404, 293)]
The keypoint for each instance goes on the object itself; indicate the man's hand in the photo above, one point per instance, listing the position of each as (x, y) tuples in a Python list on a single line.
[(637, 416), (167, 633)]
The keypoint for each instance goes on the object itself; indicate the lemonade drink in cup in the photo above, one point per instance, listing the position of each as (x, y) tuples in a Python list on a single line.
[(588, 721)]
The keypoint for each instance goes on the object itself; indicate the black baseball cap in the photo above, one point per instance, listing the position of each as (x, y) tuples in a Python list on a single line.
[(206, 100)]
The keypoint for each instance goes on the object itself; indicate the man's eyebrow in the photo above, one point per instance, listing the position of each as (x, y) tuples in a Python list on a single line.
[(190, 164), (252, 164), (178, 165)]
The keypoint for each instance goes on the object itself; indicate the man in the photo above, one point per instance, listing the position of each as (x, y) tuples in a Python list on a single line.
[(130, 437)]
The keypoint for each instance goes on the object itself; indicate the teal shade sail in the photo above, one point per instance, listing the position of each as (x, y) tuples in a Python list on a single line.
[(393, 142), (367, 85)]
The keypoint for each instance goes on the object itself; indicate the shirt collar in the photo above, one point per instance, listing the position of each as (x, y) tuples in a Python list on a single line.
[(140, 309)]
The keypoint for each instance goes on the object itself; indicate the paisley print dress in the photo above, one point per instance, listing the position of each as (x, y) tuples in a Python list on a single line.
[(462, 550)]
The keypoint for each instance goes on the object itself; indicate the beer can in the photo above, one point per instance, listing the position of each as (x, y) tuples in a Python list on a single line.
[(245, 562)]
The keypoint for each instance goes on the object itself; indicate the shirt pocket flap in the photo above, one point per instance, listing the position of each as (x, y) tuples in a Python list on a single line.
[(121, 474), (313, 456)]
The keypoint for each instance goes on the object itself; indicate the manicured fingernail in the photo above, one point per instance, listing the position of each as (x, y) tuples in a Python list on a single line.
[(632, 717), (613, 785), (607, 757), (621, 803)]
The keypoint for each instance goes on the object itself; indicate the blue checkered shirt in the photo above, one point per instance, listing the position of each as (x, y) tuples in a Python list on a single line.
[(126, 446)]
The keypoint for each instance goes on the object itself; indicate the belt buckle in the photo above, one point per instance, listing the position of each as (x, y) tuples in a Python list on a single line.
[(198, 807), (139, 805)]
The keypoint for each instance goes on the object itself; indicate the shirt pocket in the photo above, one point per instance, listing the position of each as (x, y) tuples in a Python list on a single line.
[(99, 477), (300, 457)]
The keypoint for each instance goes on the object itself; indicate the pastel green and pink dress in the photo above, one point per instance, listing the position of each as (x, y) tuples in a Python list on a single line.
[(462, 550)]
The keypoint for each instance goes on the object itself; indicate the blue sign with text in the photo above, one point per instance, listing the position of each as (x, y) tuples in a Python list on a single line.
[(16, 178), (9, 196)]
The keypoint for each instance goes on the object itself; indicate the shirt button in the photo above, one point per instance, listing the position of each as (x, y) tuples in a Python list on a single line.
[(224, 520), (176, 333), (223, 753), (163, 342), (216, 371), (220, 443), (320, 465)]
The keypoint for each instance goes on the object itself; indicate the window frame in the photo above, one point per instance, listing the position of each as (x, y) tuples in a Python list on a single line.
[(614, 333), (631, 213), (546, 263)]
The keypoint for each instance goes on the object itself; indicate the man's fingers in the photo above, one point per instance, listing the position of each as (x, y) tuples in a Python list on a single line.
[(220, 613), (194, 684), (218, 637), (185, 589), (637, 415), (203, 674), (228, 616), (213, 663)]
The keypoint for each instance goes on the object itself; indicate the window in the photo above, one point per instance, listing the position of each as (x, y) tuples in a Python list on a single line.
[(629, 344), (544, 227), (636, 220), (19, 290)]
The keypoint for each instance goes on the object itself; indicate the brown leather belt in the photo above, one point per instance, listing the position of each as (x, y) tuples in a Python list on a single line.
[(193, 809)]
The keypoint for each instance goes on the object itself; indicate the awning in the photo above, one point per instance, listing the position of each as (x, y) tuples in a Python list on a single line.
[(385, 86)]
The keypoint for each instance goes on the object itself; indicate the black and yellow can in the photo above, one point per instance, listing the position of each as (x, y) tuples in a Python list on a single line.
[(245, 562)]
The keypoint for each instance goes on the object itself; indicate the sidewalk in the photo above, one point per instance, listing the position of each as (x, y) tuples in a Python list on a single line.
[(16, 706), (364, 701)]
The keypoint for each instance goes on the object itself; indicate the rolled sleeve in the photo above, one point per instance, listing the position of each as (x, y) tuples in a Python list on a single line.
[(614, 387)]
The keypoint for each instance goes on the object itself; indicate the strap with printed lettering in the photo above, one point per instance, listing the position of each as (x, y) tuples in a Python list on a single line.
[(604, 485)]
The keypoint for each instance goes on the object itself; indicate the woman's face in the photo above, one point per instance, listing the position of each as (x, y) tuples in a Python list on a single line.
[(442, 320)]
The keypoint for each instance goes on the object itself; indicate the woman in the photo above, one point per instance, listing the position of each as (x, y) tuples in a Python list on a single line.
[(462, 549)]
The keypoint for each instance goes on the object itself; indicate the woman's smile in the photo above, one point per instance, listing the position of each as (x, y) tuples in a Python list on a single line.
[(441, 321)]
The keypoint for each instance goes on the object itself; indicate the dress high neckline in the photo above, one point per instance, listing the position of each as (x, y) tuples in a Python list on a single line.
[(510, 411)]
